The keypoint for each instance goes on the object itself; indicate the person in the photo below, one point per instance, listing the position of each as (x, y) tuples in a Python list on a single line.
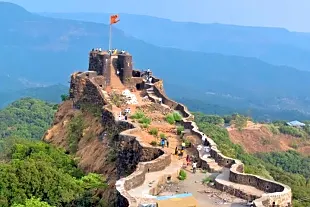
[(176, 151), (183, 145), (181, 154), (125, 117), (117, 72), (187, 160), (160, 100), (162, 143), (194, 165), (167, 142), (150, 79)]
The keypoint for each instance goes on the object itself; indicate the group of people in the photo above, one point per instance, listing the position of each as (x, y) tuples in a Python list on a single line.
[(164, 141), (124, 115), (148, 75), (116, 51)]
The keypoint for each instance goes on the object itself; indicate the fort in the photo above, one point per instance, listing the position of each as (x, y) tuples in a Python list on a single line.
[(143, 167)]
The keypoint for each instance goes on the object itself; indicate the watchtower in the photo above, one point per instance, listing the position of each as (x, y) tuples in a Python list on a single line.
[(125, 67), (100, 61)]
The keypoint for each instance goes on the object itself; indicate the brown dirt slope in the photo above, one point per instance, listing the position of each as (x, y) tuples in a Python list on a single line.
[(92, 153), (258, 138)]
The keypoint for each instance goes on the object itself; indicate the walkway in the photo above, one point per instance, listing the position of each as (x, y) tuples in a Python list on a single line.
[(115, 80), (223, 178), (152, 179)]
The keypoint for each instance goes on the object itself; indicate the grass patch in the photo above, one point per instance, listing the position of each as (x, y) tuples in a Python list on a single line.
[(153, 132), (154, 143), (173, 117), (170, 119), (118, 99), (162, 136), (145, 120), (182, 175), (180, 129), (207, 180), (138, 115)]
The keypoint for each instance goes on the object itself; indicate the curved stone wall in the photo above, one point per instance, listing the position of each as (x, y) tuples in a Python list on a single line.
[(276, 193), (137, 178)]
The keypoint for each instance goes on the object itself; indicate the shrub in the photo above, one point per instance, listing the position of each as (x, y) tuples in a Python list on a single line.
[(154, 131), (294, 145), (170, 119), (207, 180), (145, 120), (145, 125), (64, 97), (117, 99), (182, 175), (137, 115), (162, 136), (291, 131), (273, 129), (187, 143), (177, 116), (153, 143), (180, 129)]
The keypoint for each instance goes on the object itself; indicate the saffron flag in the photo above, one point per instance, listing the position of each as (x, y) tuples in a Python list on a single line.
[(114, 19)]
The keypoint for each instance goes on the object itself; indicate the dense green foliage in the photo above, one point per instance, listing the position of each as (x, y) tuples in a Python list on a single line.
[(289, 167), (35, 169), (33, 203), (174, 117), (26, 118), (282, 127), (290, 161)]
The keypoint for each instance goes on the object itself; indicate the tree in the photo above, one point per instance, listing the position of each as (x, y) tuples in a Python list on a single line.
[(240, 121), (64, 97)]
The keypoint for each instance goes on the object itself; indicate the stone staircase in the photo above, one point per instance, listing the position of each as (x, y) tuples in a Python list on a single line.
[(115, 80), (212, 164)]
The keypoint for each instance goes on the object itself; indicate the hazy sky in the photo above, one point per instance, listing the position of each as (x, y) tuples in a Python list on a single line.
[(291, 14)]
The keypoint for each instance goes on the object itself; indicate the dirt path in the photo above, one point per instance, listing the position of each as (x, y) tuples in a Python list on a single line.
[(205, 195)]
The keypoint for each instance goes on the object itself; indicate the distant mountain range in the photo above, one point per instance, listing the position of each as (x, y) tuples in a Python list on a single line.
[(47, 50), (274, 45), (48, 93)]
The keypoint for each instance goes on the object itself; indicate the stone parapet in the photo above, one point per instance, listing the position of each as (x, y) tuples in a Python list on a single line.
[(276, 193)]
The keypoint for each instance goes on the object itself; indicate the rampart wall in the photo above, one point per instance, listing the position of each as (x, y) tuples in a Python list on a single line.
[(276, 193)]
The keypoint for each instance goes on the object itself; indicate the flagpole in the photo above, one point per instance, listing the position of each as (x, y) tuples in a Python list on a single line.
[(110, 37)]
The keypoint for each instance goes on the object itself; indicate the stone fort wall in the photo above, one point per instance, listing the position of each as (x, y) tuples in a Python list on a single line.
[(276, 193)]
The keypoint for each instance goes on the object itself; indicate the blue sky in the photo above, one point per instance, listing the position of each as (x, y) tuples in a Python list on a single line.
[(291, 14)]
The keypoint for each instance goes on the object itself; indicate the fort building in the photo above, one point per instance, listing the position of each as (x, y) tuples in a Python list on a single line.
[(151, 166)]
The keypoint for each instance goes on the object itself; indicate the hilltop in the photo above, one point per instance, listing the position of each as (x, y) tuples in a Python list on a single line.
[(240, 81), (114, 122)]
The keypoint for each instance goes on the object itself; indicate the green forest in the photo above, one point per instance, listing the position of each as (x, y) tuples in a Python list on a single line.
[(289, 167), (26, 118), (33, 173)]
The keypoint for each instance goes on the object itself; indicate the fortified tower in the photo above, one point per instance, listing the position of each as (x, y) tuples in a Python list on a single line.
[(100, 61), (125, 68), (111, 66)]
